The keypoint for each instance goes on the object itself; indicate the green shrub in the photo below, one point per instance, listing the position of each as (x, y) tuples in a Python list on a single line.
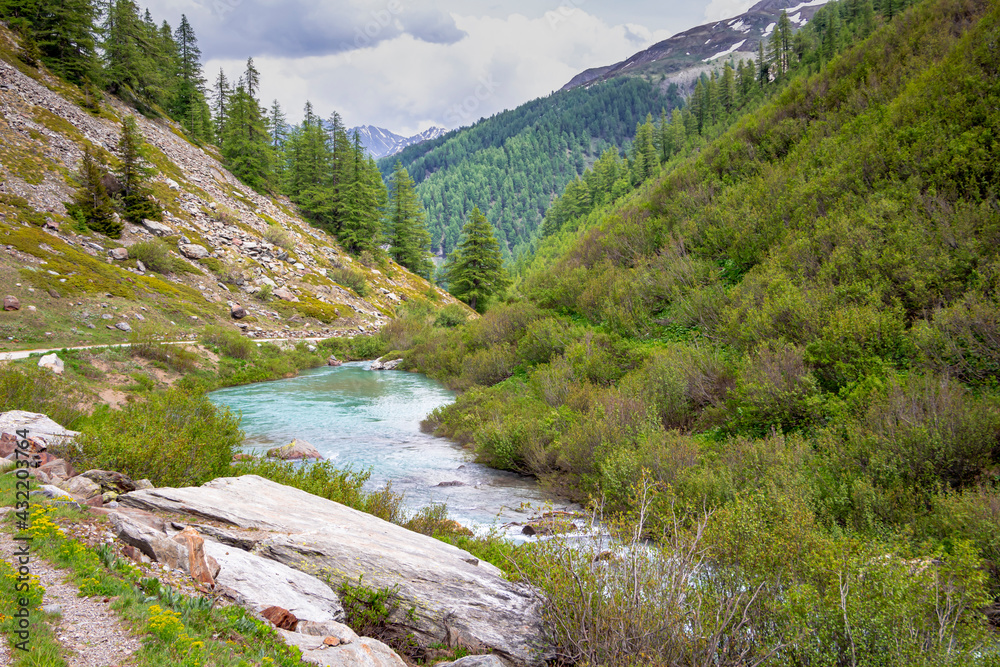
[(155, 255), (229, 342), (279, 237), (172, 438), (38, 390), (776, 390), (488, 366), (264, 293), (349, 278), (452, 315), (147, 341)]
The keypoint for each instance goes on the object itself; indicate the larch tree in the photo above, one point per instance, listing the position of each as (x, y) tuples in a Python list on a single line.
[(134, 170), (474, 270), (91, 203), (409, 240)]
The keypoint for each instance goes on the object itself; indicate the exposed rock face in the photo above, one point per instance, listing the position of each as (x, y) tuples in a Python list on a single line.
[(474, 661), (11, 303), (193, 251), (194, 544), (110, 481), (52, 362), (453, 594), (149, 540), (295, 450), (379, 365), (59, 469), (157, 228), (38, 426), (82, 487), (348, 651), (263, 583), (280, 617), (285, 294)]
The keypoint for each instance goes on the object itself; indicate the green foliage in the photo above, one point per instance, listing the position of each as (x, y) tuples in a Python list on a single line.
[(37, 390), (349, 278), (172, 438), (133, 173), (475, 272), (409, 240), (91, 202), (451, 315), (229, 342), (371, 612), (156, 256)]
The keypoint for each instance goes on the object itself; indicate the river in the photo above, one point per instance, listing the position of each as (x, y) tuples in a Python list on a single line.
[(371, 420)]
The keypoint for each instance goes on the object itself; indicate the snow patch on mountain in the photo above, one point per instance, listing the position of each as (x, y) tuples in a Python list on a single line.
[(380, 142)]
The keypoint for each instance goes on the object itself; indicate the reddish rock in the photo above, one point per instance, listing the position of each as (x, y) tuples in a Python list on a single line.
[(8, 443), (333, 361), (295, 450), (281, 618), (198, 568), (59, 468), (11, 303)]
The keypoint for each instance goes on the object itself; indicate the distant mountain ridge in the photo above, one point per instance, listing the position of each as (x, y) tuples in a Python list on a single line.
[(381, 142), (683, 57)]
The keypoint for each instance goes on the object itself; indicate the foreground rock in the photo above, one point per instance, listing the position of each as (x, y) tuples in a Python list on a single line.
[(259, 583), (339, 646), (11, 303), (39, 427), (454, 596)]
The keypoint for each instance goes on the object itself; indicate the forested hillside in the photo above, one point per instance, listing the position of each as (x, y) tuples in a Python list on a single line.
[(786, 342), (513, 164)]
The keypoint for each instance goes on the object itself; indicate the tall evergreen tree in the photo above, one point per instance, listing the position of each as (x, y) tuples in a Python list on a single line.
[(220, 103), (133, 172), (91, 202), (189, 102), (409, 240), (246, 145), (474, 270)]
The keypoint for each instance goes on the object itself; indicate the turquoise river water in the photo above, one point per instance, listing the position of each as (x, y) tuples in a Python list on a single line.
[(371, 419)]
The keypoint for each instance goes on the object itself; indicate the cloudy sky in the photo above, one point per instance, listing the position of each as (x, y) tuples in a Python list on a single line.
[(409, 64)]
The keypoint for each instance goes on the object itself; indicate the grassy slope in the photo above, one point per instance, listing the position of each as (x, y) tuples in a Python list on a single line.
[(806, 307)]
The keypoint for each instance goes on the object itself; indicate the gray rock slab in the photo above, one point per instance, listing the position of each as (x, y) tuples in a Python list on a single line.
[(360, 652), (36, 424), (474, 661), (263, 583), (451, 592)]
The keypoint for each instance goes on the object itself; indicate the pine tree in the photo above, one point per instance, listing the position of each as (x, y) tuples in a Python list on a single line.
[(474, 270), (361, 198), (91, 202), (409, 240), (189, 94), (251, 79), (278, 125), (61, 34), (220, 103), (133, 172), (246, 144)]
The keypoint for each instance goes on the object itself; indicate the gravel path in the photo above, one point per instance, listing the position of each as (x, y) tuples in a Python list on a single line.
[(90, 633)]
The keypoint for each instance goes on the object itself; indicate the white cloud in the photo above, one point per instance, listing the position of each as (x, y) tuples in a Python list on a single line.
[(725, 9), (407, 84)]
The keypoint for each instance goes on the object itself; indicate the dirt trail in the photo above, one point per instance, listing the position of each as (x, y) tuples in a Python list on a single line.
[(90, 633)]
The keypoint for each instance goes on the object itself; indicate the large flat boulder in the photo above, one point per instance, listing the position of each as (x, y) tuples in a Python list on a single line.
[(37, 425), (264, 583), (452, 594), (347, 649)]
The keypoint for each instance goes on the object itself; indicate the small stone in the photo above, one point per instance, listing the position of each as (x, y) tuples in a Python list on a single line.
[(52, 609), (123, 326), (238, 312), (139, 265), (54, 294), (193, 251), (119, 253), (32, 309), (281, 618), (11, 303), (331, 641)]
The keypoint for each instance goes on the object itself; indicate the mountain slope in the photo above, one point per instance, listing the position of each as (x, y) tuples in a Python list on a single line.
[(380, 142), (683, 57), (67, 279), (512, 164)]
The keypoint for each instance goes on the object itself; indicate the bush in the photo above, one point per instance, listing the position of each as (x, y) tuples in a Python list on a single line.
[(776, 390), (350, 279), (38, 390), (172, 438), (229, 342), (264, 293), (279, 237), (489, 366), (147, 341), (452, 315), (156, 256)]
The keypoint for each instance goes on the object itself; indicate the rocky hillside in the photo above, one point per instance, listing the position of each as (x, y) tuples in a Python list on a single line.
[(230, 248), (682, 58)]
